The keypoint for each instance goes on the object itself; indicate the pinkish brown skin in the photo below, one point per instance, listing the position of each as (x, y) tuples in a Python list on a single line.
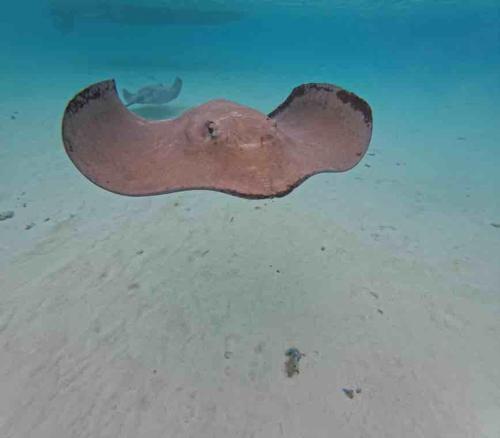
[(220, 145)]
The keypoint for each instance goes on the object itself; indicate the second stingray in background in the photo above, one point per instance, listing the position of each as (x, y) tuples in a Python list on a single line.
[(158, 94)]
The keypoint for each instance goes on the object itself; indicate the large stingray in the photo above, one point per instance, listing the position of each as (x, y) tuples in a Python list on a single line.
[(219, 145), (154, 94)]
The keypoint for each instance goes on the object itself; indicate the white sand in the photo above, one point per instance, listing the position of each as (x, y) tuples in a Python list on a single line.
[(169, 316)]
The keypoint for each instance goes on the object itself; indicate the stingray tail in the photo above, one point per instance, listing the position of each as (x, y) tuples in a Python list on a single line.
[(128, 96)]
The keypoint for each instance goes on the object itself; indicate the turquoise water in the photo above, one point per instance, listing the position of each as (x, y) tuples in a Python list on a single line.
[(170, 316), (430, 74)]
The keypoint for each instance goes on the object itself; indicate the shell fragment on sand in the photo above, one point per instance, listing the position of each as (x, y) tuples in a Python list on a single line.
[(219, 145)]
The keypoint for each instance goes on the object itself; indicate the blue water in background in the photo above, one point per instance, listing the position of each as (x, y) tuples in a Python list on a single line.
[(430, 71), (410, 46), (427, 190), (427, 50)]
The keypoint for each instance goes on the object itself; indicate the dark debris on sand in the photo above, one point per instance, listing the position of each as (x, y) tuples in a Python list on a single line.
[(4, 215), (292, 364)]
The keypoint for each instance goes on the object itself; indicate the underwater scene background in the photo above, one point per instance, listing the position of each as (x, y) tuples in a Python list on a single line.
[(191, 314)]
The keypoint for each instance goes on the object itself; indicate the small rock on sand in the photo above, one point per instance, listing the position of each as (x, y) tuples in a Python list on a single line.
[(350, 392), (292, 364)]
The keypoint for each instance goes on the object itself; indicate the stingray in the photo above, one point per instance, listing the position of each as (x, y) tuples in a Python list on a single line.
[(219, 145), (154, 94)]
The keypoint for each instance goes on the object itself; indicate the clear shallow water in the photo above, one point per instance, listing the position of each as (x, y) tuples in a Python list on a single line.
[(412, 224), (430, 72)]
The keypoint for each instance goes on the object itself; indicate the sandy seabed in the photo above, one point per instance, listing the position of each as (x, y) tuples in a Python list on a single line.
[(170, 316)]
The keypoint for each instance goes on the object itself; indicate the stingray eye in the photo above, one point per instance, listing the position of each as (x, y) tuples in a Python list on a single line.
[(212, 129)]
